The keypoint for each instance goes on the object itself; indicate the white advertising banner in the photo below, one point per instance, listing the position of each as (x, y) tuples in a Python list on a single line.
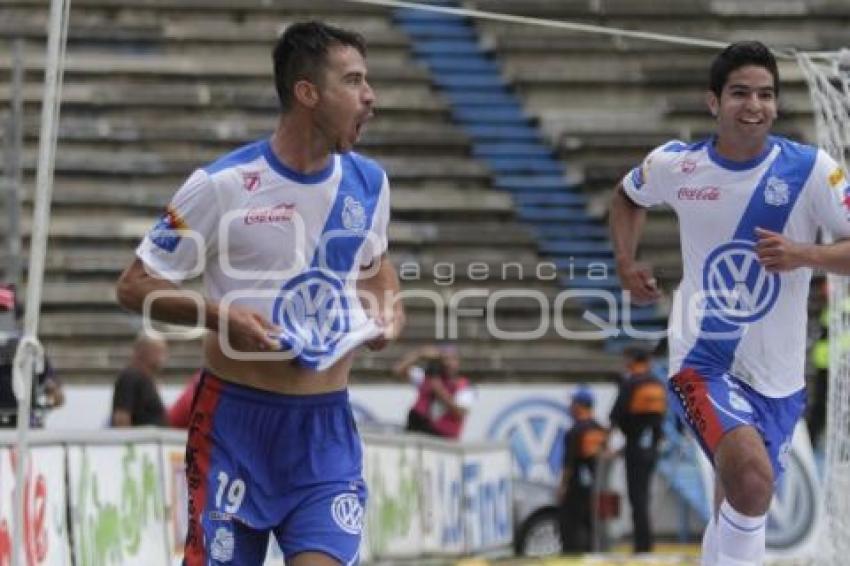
[(176, 499), (531, 418), (117, 506), (392, 514), (441, 499), (488, 508), (45, 528)]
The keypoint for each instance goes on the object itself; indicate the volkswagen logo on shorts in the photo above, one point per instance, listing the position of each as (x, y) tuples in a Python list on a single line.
[(738, 289), (312, 309), (348, 513), (535, 430)]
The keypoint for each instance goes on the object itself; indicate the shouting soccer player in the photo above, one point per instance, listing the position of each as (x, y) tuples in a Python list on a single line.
[(290, 234)]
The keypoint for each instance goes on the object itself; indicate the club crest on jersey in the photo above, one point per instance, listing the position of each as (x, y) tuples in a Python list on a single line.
[(777, 193), (251, 180), (223, 545), (353, 215)]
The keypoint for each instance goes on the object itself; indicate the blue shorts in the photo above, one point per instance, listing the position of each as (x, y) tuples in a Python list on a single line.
[(715, 403), (259, 463)]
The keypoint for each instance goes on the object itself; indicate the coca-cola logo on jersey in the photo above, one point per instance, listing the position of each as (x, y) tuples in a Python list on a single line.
[(699, 193), (269, 214)]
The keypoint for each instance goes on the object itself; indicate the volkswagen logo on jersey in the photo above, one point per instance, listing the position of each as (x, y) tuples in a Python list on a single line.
[(312, 309), (738, 289), (348, 513), (535, 430)]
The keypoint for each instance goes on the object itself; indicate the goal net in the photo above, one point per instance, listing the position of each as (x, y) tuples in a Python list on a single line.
[(828, 77)]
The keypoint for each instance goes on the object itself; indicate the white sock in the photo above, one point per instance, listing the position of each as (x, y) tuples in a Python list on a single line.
[(709, 543), (740, 538)]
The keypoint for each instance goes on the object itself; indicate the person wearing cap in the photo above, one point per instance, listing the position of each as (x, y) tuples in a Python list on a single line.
[(444, 396), (584, 443), (639, 413), (47, 388)]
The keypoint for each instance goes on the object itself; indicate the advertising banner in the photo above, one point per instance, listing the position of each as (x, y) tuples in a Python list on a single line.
[(392, 513), (441, 500), (488, 505), (45, 529), (117, 506), (176, 497)]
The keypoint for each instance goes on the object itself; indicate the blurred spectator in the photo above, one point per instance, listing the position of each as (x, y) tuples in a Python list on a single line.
[(639, 412), (584, 444), (444, 398), (181, 410), (47, 390), (136, 400)]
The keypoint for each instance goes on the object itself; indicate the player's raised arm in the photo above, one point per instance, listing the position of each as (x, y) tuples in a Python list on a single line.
[(626, 224)]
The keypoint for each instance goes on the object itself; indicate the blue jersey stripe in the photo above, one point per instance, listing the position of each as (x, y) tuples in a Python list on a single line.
[(770, 207), (355, 205)]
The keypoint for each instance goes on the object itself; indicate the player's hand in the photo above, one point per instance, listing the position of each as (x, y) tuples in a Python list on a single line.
[(777, 253), (638, 280), (389, 332), (249, 331)]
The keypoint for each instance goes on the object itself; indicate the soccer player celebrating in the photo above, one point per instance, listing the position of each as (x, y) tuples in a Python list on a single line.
[(290, 234), (749, 207)]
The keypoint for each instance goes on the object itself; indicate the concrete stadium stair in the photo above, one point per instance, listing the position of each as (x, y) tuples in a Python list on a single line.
[(155, 88), (605, 101)]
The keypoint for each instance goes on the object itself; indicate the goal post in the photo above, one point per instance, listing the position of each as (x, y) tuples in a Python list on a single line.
[(29, 356), (828, 78)]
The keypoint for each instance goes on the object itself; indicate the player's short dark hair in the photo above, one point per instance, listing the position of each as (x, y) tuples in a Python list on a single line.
[(301, 52), (737, 55)]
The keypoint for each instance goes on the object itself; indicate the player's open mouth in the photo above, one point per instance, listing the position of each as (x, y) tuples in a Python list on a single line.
[(360, 124)]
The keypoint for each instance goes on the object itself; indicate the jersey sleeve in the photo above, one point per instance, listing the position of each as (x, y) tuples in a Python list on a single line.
[(830, 192), (647, 184), (378, 241), (176, 246)]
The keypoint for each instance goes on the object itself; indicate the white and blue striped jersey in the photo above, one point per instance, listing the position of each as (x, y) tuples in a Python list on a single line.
[(729, 313), (285, 244)]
